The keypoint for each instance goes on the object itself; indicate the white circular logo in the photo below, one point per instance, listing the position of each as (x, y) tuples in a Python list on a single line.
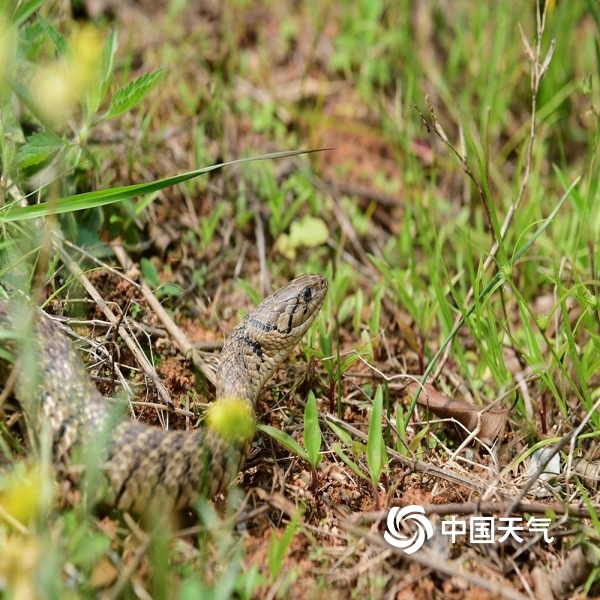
[(414, 514)]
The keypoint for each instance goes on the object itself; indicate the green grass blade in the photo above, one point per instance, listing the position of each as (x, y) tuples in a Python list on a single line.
[(117, 194), (278, 548), (24, 10), (342, 434), (349, 462), (496, 281)]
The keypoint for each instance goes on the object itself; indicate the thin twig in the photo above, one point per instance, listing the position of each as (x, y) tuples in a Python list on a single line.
[(484, 508), (12, 522), (129, 340), (128, 571), (180, 339), (434, 561)]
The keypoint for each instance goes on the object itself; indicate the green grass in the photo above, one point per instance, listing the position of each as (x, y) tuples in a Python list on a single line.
[(435, 110)]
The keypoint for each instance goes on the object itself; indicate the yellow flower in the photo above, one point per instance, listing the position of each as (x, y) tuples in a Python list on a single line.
[(87, 47), (232, 418), (58, 88), (21, 496)]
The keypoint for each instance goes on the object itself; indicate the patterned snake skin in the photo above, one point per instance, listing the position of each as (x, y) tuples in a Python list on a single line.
[(143, 466)]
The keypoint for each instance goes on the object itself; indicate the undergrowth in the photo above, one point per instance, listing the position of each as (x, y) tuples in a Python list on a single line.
[(453, 214)]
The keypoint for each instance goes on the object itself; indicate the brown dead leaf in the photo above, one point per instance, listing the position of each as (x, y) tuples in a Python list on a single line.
[(490, 422), (104, 574), (575, 570)]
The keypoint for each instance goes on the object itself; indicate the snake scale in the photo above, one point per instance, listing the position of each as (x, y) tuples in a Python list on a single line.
[(146, 466)]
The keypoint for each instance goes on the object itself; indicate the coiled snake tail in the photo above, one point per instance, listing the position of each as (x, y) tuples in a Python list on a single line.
[(147, 467)]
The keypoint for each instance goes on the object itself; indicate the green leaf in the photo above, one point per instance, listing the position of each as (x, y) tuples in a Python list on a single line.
[(278, 548), (287, 441), (489, 288), (127, 97), (402, 445), (102, 80), (107, 59), (172, 290), (376, 453), (60, 43), (39, 148), (342, 434), (24, 94), (375, 320), (350, 463), (149, 272), (325, 338), (208, 225), (312, 431), (308, 232), (87, 548)]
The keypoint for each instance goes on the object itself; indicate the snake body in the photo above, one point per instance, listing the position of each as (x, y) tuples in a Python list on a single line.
[(145, 466)]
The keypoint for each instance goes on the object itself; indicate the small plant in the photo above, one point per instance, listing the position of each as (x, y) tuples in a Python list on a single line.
[(279, 545), (377, 457), (312, 439), (64, 96), (375, 449)]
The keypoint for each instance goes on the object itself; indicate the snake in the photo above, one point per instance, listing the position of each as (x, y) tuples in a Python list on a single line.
[(144, 467)]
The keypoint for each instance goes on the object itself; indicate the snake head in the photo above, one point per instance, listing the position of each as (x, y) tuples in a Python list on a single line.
[(265, 337), (292, 309)]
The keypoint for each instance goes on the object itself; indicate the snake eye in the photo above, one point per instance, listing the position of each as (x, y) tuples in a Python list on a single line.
[(306, 294)]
